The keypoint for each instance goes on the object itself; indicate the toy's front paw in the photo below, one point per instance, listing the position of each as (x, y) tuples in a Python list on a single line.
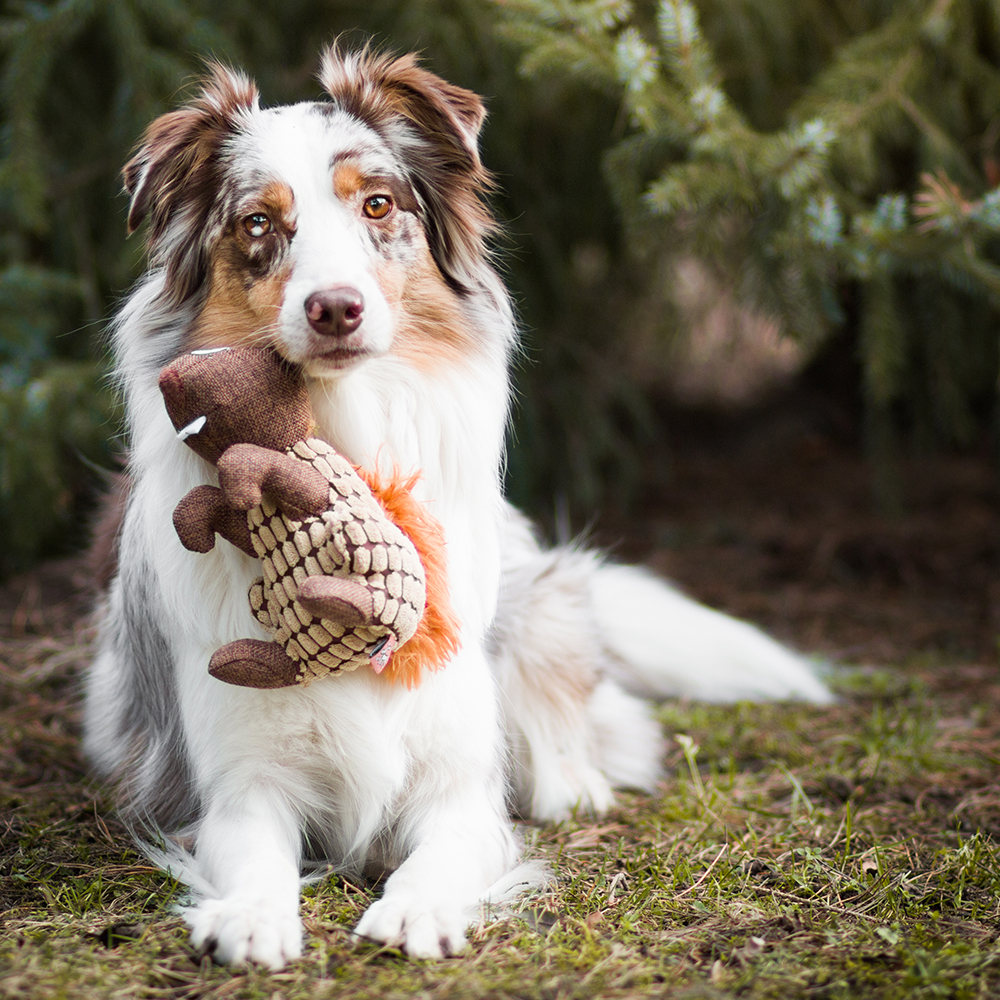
[(247, 472), (422, 931), (237, 930), (338, 599), (254, 663)]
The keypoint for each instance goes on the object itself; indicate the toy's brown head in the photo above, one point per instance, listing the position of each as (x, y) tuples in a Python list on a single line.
[(238, 395)]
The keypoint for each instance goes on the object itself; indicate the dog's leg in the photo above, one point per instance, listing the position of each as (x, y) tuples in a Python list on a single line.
[(462, 847), (453, 825), (573, 733), (248, 843), (248, 848)]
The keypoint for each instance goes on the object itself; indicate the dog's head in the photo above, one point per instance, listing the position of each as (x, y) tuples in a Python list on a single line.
[(335, 231)]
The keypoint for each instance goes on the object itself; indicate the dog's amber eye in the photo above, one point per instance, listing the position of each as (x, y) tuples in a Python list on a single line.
[(257, 224), (378, 206)]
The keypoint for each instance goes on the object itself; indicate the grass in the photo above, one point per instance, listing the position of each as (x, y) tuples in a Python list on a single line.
[(794, 852)]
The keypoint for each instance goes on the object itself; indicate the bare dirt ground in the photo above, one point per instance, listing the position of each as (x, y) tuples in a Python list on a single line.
[(785, 533)]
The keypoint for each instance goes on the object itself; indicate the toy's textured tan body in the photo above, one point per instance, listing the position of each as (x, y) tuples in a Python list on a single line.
[(352, 540)]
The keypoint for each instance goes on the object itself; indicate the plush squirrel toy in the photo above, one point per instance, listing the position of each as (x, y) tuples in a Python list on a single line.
[(353, 567)]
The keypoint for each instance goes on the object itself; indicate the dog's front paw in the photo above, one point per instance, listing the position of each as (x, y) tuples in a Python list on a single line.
[(422, 931), (237, 930)]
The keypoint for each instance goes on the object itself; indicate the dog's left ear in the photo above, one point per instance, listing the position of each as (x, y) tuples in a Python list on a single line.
[(439, 149)]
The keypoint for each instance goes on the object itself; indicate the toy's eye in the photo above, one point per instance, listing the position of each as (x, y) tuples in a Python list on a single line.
[(257, 224), (378, 206)]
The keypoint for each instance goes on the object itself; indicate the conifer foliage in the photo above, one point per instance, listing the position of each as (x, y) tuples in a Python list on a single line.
[(839, 160), (80, 78), (836, 160)]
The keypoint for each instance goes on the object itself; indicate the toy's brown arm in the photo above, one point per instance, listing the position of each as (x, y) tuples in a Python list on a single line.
[(254, 663), (247, 471), (204, 511)]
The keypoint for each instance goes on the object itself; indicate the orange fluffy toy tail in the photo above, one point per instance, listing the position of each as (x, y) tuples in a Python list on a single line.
[(436, 638)]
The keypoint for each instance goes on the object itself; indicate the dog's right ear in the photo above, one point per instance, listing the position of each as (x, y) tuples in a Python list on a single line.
[(174, 177), (174, 165)]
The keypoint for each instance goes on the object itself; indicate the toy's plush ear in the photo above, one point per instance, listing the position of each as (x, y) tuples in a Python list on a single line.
[(239, 395), (173, 177), (438, 145)]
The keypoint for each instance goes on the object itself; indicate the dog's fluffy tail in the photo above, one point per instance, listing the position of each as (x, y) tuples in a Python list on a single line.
[(577, 648), (662, 644)]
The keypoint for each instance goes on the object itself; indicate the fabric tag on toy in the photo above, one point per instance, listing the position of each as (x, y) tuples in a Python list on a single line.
[(383, 650)]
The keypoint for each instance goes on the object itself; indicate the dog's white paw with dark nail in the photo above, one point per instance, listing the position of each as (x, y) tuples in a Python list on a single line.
[(421, 931), (238, 930)]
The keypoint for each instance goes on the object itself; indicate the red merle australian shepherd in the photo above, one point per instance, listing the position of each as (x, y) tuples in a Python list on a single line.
[(350, 234)]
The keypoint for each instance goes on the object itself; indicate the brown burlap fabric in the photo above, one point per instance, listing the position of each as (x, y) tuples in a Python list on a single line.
[(244, 394)]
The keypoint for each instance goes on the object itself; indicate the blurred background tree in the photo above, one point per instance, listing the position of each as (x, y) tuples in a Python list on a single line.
[(834, 163), (827, 165)]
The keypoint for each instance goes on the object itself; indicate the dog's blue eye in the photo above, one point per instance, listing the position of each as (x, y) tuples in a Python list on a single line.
[(257, 224), (378, 206)]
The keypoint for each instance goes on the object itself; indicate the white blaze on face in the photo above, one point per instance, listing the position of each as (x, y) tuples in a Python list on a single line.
[(331, 248)]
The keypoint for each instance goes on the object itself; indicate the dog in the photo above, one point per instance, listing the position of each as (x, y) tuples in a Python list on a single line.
[(352, 235)]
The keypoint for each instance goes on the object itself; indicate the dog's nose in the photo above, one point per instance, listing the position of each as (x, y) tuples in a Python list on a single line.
[(335, 312)]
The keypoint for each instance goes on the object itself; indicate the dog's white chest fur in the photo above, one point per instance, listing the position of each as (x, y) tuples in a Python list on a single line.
[(449, 429)]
